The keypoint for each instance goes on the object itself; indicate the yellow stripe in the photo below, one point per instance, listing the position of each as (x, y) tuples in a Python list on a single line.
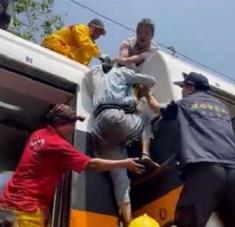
[(27, 219), (162, 209), (90, 219)]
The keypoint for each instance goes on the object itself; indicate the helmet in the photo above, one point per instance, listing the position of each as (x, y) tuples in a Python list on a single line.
[(144, 221)]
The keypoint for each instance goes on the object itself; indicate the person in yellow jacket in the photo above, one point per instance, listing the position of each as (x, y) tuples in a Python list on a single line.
[(77, 42)]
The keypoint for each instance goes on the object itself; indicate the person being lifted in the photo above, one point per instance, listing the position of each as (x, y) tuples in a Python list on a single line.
[(116, 121), (116, 117), (77, 42)]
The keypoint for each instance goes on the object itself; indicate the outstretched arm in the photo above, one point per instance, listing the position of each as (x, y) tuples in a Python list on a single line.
[(84, 41), (125, 59), (97, 164), (153, 103), (136, 59), (168, 113), (72, 158), (124, 50)]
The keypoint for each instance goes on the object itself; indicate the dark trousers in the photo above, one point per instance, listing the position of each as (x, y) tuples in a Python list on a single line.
[(208, 187)]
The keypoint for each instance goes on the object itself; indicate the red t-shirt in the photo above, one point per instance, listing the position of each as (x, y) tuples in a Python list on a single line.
[(46, 157)]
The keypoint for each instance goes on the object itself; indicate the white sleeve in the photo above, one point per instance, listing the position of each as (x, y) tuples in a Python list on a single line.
[(137, 78), (91, 78)]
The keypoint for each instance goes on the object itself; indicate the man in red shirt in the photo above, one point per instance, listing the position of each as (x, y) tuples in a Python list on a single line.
[(47, 155)]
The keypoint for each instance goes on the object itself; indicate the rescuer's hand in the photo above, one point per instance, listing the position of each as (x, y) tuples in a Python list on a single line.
[(134, 166), (145, 91)]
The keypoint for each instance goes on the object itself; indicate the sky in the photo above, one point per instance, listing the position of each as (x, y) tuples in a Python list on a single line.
[(203, 30)]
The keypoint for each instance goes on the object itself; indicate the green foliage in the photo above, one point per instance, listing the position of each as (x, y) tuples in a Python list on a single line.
[(34, 19)]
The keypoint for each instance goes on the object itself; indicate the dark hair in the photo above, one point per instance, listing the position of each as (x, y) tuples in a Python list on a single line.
[(7, 219), (146, 22), (5, 20), (62, 114)]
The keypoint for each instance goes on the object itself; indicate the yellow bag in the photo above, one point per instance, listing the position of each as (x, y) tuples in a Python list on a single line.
[(144, 221)]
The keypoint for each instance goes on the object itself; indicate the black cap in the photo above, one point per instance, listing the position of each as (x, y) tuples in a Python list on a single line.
[(199, 81), (61, 114), (98, 24)]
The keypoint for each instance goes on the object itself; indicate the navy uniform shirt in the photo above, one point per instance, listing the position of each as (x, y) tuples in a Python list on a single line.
[(205, 129)]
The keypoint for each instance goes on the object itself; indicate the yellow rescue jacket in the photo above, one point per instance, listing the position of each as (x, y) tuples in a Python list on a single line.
[(73, 42)]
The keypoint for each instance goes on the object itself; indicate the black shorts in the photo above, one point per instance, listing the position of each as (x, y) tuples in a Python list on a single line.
[(208, 187)]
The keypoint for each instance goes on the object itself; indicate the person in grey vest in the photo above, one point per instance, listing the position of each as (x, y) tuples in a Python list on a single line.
[(5, 18), (206, 152)]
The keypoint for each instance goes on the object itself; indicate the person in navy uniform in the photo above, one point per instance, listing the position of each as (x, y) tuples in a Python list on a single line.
[(206, 152)]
